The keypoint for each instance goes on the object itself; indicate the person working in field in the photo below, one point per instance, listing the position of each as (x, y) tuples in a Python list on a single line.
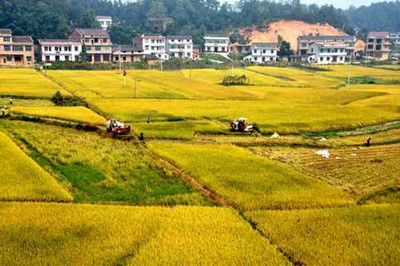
[(11, 101), (3, 111)]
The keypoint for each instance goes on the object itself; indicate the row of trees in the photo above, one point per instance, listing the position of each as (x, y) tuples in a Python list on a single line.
[(56, 18)]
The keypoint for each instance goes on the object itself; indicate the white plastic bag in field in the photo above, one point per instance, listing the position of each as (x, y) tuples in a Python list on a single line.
[(324, 153), (275, 136)]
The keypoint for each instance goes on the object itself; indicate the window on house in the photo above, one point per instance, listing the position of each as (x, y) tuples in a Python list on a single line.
[(29, 58), (98, 48), (321, 59), (18, 48), (378, 40), (105, 40), (96, 40), (124, 58), (76, 49), (9, 58), (47, 58), (87, 40), (57, 58), (7, 48), (28, 48), (66, 58), (379, 47), (106, 58), (6, 39)]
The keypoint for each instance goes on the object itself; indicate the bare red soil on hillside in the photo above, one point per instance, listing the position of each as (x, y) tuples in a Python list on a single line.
[(289, 30)]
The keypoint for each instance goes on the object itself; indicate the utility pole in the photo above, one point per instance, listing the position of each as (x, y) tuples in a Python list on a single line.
[(349, 76)]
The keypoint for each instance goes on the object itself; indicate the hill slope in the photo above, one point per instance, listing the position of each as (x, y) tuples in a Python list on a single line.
[(289, 30)]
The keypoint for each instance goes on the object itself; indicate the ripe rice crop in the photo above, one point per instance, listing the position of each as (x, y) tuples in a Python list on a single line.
[(184, 130), (101, 169), (73, 113), (247, 180), (284, 117), (301, 78), (342, 71), (359, 171), (22, 179), (356, 235), (61, 234), (27, 83)]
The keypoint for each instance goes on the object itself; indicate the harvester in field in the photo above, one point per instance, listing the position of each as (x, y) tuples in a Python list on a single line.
[(241, 125), (117, 128)]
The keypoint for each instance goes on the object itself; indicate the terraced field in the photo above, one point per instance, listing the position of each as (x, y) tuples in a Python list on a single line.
[(192, 192)]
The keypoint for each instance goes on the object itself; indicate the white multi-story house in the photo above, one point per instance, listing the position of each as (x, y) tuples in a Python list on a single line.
[(263, 52), (216, 44), (325, 53), (59, 50), (180, 46), (105, 21), (152, 45), (394, 38)]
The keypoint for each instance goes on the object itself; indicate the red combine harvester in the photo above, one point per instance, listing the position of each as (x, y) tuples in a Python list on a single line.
[(240, 125), (117, 128)]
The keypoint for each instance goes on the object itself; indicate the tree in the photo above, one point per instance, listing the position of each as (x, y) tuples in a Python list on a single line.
[(284, 49)]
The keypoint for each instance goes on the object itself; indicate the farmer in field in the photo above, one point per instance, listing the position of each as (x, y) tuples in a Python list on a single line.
[(3, 111), (11, 101), (368, 142), (148, 120)]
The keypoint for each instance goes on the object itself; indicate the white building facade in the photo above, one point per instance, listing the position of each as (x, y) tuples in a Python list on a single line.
[(105, 21), (263, 53), (153, 45), (59, 50), (216, 44), (180, 46), (327, 53)]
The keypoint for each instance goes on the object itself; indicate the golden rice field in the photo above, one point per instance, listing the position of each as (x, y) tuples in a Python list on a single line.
[(359, 171), (356, 235), (26, 83), (60, 234), (70, 113), (22, 179), (249, 181), (274, 116), (101, 170), (200, 194)]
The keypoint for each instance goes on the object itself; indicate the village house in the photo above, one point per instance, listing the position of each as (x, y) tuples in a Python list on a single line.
[(239, 49), (218, 44), (59, 50), (325, 53), (16, 50), (96, 43), (378, 45), (152, 45), (104, 21), (263, 53), (180, 46), (303, 43), (127, 53)]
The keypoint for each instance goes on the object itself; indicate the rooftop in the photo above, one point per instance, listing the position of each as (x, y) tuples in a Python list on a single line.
[(179, 37), (152, 37), (5, 32), (54, 41), (103, 17), (93, 32), (328, 37), (378, 34), (265, 44), (216, 35), (22, 39)]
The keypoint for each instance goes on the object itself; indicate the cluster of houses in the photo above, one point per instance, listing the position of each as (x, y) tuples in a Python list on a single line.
[(95, 45)]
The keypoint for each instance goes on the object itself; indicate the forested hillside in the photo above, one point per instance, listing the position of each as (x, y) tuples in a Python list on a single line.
[(56, 18), (383, 16)]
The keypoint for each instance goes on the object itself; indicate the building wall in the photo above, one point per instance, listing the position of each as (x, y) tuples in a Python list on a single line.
[(66, 52), (180, 48), (16, 53), (216, 45), (326, 55), (98, 48)]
